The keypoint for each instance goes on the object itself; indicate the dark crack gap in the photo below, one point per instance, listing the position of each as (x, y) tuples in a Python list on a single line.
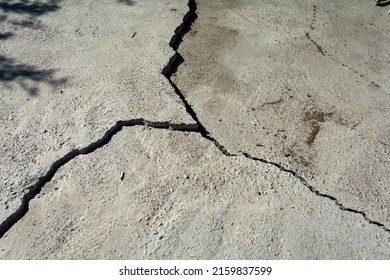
[(185, 26), (35, 189), (174, 63), (171, 68), (318, 193)]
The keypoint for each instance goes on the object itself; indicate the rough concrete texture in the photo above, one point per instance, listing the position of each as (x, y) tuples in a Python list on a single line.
[(271, 141), (304, 84), (203, 205), (72, 69)]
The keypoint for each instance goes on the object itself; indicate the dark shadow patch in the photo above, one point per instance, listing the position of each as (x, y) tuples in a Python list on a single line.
[(25, 75), (6, 35), (25, 15), (127, 2), (28, 9), (34, 8)]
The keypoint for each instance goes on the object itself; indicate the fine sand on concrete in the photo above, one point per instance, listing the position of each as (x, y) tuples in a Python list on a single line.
[(270, 141)]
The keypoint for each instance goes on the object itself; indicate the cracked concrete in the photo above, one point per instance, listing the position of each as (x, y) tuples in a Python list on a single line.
[(241, 170), (203, 205), (288, 82), (110, 76)]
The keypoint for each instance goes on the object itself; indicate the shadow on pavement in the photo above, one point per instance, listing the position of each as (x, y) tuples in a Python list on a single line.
[(25, 14), (28, 9), (6, 35), (24, 75), (127, 2), (33, 8)]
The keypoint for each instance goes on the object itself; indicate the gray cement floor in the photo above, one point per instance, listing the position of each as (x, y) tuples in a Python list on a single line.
[(260, 132)]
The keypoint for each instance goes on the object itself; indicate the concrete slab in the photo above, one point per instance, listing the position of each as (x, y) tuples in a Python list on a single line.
[(69, 71), (303, 84), (266, 139)]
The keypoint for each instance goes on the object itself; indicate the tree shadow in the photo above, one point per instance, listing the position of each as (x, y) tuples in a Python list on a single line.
[(25, 14), (28, 9), (33, 8), (127, 2), (30, 22), (27, 76), (6, 35)]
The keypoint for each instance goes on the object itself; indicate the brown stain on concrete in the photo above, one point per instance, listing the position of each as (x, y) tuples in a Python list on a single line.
[(315, 118)]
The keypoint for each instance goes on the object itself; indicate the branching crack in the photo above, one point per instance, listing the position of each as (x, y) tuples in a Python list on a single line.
[(197, 127), (174, 64)]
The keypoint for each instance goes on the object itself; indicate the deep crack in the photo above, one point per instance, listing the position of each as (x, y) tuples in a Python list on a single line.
[(35, 189), (177, 60), (169, 70)]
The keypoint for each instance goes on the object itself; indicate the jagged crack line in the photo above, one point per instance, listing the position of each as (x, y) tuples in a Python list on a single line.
[(35, 189), (185, 26), (172, 67), (176, 60), (327, 55), (318, 193)]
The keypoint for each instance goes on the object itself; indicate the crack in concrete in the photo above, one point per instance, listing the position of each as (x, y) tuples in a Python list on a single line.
[(169, 70), (318, 193), (319, 48), (174, 64), (314, 17), (176, 60), (327, 55), (35, 189)]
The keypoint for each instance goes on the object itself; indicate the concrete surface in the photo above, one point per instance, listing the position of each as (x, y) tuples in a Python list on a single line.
[(72, 73), (304, 84), (271, 141), (203, 205)]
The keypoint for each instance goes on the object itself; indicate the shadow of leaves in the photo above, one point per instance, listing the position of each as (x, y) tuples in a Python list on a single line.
[(33, 8), (126, 2), (27, 76), (6, 35)]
